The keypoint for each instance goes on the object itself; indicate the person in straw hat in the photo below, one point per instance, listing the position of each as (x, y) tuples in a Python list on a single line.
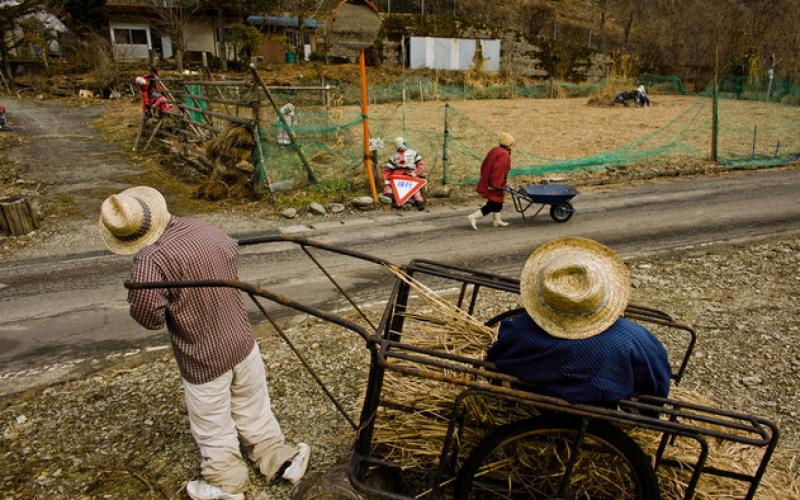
[(572, 341), (491, 184), (223, 373)]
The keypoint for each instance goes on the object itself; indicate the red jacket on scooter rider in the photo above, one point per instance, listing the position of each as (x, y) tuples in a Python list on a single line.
[(404, 161)]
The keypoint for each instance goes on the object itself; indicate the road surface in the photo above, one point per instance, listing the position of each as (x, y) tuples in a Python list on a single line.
[(59, 310)]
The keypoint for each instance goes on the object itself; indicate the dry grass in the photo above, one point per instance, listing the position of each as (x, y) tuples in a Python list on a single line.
[(415, 439)]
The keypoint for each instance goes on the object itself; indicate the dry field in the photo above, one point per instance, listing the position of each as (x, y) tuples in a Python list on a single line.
[(673, 128)]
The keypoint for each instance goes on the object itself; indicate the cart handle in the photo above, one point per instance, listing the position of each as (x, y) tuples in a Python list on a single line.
[(251, 289)]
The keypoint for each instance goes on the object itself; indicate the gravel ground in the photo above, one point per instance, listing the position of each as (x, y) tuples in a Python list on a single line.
[(123, 432)]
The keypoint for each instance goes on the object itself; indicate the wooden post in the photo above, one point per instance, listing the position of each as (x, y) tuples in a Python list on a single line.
[(421, 97), (293, 138), (404, 109), (262, 175), (445, 162), (17, 216), (152, 135), (141, 131), (755, 134)]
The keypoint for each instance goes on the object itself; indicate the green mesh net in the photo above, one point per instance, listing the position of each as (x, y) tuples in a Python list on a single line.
[(758, 127)]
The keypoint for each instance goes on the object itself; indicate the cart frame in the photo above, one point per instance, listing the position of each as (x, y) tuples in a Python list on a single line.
[(389, 353)]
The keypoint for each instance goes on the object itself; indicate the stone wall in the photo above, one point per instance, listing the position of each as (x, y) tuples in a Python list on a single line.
[(520, 55)]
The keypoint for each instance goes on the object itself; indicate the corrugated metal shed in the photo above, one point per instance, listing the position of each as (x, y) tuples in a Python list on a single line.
[(452, 53)]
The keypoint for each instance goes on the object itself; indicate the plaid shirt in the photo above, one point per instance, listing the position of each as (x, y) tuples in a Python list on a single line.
[(208, 327)]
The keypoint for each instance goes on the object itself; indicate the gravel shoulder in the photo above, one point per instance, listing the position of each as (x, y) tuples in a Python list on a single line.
[(123, 431)]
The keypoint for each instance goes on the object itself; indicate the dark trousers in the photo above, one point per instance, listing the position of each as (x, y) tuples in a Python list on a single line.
[(491, 206)]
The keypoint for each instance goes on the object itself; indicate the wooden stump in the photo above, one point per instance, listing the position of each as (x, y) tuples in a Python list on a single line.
[(17, 216)]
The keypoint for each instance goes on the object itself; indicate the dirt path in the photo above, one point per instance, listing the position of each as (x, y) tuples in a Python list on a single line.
[(62, 150)]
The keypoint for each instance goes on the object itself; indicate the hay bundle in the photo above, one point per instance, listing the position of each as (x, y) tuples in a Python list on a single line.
[(415, 439), (231, 154)]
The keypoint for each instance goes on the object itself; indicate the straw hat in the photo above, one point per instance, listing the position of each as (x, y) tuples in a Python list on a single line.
[(574, 288), (506, 139), (133, 219)]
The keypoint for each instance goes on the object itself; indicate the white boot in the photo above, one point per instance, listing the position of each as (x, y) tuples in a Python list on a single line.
[(201, 490), (497, 220), (473, 218)]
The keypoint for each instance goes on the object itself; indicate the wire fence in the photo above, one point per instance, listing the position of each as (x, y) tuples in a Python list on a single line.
[(759, 124)]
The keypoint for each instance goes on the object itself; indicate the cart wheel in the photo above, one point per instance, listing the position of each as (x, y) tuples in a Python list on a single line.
[(528, 459), (561, 212)]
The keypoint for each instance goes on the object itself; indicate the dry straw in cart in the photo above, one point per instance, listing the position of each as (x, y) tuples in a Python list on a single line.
[(415, 439)]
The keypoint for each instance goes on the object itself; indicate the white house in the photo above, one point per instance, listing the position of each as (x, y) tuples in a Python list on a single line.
[(135, 29)]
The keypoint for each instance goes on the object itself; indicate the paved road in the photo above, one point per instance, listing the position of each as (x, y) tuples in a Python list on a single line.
[(57, 311), (61, 149)]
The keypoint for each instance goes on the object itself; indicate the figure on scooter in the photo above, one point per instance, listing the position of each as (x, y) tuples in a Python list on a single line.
[(405, 161)]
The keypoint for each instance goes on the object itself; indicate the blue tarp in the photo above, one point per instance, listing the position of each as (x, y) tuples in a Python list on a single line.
[(288, 21)]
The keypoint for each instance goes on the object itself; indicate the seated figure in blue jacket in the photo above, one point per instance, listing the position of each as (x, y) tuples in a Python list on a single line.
[(572, 342)]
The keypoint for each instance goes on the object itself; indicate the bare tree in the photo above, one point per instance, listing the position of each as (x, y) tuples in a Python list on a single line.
[(12, 15), (303, 10), (173, 16)]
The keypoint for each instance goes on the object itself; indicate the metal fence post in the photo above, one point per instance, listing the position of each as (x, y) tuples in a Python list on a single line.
[(445, 159), (715, 111)]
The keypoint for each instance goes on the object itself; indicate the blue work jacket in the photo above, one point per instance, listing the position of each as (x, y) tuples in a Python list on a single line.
[(623, 361)]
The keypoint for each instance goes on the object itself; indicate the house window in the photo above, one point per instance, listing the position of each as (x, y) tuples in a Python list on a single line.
[(126, 36)]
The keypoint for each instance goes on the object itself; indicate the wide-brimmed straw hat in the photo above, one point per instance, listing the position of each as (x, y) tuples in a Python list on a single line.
[(506, 139), (574, 288), (133, 219)]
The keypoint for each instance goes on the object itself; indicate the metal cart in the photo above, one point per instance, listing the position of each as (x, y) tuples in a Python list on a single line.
[(494, 468)]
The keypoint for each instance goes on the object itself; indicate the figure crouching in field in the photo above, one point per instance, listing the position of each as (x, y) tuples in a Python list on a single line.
[(492, 183)]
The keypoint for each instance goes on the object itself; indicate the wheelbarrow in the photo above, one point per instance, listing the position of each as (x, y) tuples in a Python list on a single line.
[(557, 196)]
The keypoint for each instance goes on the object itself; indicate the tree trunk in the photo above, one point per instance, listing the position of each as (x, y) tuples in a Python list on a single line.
[(4, 55), (179, 58), (603, 4), (300, 39), (628, 27), (17, 216)]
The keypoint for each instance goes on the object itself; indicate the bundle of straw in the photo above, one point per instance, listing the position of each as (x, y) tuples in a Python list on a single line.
[(415, 439)]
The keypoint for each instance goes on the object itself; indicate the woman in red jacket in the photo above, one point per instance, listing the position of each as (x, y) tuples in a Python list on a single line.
[(494, 171)]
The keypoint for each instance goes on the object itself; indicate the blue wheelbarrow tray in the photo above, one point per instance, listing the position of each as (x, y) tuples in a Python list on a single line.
[(550, 194), (557, 196)]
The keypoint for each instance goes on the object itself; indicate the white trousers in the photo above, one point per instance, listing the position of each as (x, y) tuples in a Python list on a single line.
[(236, 405)]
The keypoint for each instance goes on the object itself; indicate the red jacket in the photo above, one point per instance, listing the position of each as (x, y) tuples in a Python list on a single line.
[(494, 170)]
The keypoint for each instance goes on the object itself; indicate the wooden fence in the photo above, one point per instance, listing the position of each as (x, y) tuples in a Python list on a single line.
[(201, 109)]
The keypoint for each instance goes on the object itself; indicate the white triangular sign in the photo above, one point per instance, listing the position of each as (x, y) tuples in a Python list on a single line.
[(404, 187)]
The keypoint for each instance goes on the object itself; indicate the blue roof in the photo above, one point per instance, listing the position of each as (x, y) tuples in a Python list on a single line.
[(289, 21)]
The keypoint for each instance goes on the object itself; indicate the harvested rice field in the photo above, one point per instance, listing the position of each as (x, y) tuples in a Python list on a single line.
[(123, 431)]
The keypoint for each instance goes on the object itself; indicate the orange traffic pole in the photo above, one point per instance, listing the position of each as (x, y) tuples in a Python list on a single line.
[(367, 160)]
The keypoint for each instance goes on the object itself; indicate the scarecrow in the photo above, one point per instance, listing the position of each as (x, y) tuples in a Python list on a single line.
[(405, 161)]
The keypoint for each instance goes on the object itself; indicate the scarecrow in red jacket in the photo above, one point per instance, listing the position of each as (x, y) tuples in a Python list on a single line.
[(152, 99), (494, 172)]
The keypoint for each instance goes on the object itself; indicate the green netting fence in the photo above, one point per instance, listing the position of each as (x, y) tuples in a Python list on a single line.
[(758, 126)]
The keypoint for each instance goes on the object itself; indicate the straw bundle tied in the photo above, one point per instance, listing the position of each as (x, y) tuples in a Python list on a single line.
[(231, 146), (414, 439)]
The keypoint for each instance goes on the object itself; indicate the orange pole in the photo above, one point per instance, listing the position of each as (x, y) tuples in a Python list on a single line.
[(367, 160)]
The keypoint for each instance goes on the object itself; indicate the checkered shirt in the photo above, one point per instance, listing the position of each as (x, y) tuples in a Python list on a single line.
[(208, 327)]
